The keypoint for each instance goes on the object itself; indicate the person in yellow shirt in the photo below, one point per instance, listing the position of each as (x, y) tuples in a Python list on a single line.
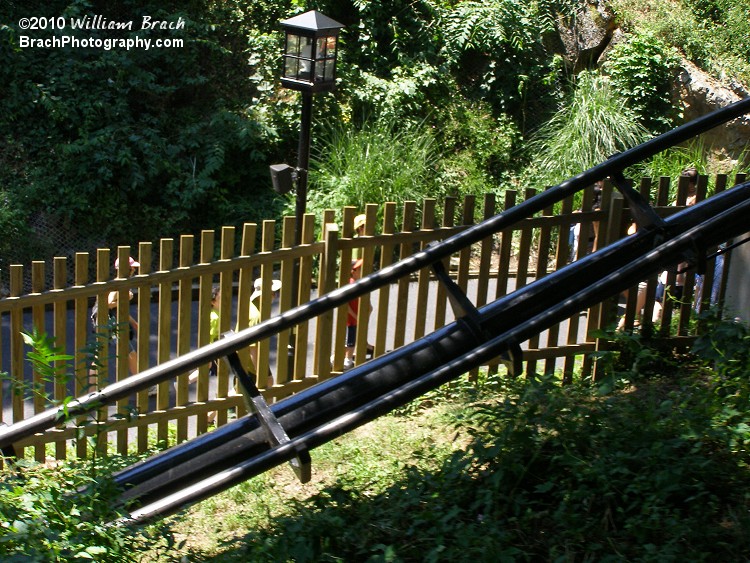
[(255, 317)]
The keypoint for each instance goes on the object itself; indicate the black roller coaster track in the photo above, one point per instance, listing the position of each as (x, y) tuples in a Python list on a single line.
[(289, 429)]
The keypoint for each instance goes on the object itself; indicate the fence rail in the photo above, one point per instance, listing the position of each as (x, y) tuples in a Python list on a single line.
[(172, 304)]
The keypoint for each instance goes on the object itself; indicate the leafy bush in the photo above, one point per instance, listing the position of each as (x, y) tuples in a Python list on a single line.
[(642, 69), (728, 36), (42, 520), (17, 240), (711, 33), (470, 132), (724, 351), (67, 512), (401, 96), (495, 51), (693, 154), (134, 144)]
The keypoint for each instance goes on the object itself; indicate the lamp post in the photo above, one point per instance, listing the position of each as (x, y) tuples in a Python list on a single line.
[(310, 51)]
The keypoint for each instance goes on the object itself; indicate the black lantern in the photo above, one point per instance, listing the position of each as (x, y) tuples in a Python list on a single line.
[(310, 52)]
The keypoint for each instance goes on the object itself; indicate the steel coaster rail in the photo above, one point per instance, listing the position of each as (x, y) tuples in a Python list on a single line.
[(225, 346), (221, 449), (710, 231)]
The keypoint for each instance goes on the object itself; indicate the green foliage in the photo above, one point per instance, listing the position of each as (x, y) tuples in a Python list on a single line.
[(131, 144), (401, 96), (382, 36), (478, 147), (728, 35), (495, 51), (66, 513), (642, 69), (653, 471), (50, 362), (118, 146), (694, 154), (17, 240), (724, 346), (43, 521), (675, 159), (724, 351), (594, 125), (711, 33), (488, 26), (378, 163), (549, 473)]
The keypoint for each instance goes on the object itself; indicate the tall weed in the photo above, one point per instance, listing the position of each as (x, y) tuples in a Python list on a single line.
[(711, 33), (42, 517), (594, 125), (379, 162)]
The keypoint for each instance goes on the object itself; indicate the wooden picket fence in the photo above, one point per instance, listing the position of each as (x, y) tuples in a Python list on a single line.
[(172, 302)]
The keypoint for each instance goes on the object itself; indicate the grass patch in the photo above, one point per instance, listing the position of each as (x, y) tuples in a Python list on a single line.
[(652, 469), (362, 464), (649, 464)]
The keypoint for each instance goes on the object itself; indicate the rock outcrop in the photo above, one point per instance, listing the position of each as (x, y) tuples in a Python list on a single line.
[(582, 38), (699, 94)]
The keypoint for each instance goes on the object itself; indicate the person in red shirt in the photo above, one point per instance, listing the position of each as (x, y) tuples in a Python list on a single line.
[(351, 317)]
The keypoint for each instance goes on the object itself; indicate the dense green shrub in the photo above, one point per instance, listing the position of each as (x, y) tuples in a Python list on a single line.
[(711, 33), (642, 69), (132, 144), (67, 511), (653, 471), (42, 520), (728, 30), (495, 50), (465, 127)]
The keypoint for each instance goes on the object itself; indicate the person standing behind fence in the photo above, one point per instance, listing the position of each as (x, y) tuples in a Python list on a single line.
[(110, 328), (575, 229), (213, 330), (112, 300), (691, 174), (352, 318), (255, 317), (359, 231)]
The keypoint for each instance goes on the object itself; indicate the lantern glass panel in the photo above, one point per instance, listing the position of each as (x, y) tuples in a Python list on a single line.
[(292, 45), (331, 46), (330, 65), (298, 58), (291, 67), (320, 52), (306, 60)]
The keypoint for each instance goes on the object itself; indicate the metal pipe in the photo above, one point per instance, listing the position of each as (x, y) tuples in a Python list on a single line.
[(289, 319), (711, 231), (303, 163), (217, 451)]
